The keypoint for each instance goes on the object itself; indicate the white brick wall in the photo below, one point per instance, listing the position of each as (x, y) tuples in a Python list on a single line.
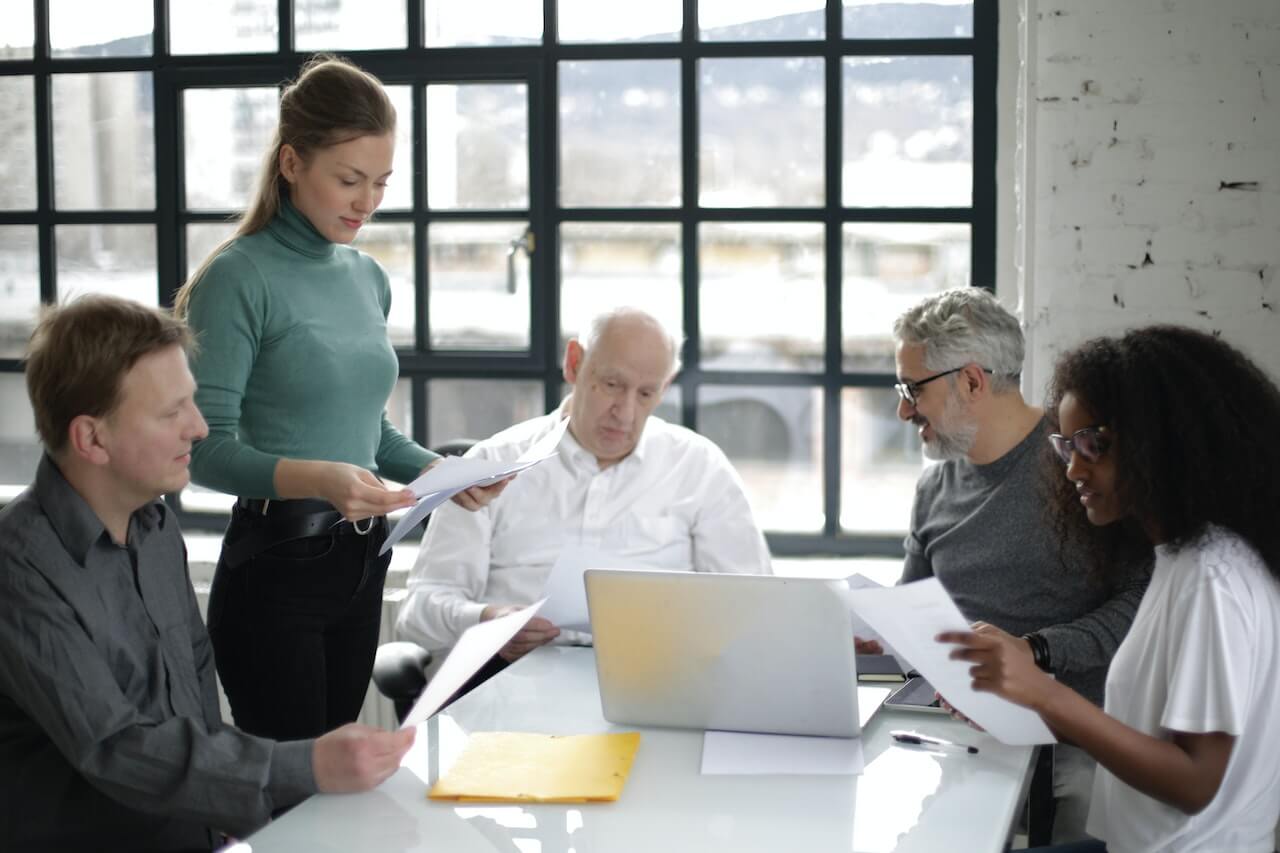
[(1140, 170)]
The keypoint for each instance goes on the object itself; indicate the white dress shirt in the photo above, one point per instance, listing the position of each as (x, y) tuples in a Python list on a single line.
[(674, 503)]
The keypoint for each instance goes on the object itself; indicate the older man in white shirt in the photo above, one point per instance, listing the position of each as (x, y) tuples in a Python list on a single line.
[(623, 482)]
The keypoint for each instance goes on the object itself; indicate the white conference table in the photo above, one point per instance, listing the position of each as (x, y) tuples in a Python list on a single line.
[(907, 799)]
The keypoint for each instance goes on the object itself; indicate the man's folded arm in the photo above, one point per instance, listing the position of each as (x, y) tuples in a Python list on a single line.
[(448, 577), (1090, 641)]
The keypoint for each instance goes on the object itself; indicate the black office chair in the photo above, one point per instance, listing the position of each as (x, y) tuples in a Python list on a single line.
[(400, 667)]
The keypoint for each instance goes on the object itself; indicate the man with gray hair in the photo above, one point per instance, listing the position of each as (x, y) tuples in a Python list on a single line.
[(978, 523), (623, 482)]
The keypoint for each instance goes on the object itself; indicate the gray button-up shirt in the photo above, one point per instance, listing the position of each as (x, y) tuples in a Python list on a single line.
[(110, 734)]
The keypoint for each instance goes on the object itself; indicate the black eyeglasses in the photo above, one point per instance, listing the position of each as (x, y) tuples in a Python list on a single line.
[(910, 391), (1091, 443)]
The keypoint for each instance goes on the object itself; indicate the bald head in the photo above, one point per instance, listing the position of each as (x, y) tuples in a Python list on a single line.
[(619, 372)]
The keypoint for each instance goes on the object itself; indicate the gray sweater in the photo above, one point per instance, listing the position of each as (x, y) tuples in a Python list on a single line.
[(984, 532)]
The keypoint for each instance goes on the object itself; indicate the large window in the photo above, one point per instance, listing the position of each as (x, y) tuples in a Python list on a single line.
[(776, 179)]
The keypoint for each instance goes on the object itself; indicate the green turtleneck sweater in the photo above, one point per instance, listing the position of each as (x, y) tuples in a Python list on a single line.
[(294, 360)]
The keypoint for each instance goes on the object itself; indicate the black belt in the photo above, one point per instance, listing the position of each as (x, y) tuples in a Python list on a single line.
[(265, 523)]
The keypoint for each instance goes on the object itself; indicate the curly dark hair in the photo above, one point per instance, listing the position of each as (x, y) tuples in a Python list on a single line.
[(1196, 442)]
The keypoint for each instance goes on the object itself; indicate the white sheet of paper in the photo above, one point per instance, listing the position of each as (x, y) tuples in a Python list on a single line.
[(474, 648), (566, 592), (461, 472), (746, 754), (414, 516), (862, 630), (909, 617)]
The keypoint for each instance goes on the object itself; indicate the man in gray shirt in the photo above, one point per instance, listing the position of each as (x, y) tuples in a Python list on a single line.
[(979, 523), (110, 732)]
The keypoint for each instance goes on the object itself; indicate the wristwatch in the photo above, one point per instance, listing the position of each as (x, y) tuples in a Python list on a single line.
[(1039, 650)]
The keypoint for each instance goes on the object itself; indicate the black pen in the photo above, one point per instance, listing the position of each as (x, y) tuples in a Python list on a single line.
[(925, 740)]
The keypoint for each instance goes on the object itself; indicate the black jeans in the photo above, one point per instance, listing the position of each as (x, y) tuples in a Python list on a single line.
[(295, 629)]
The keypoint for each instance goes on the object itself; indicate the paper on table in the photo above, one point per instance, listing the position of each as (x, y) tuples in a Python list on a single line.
[(474, 648), (455, 473), (862, 630), (747, 754), (910, 616), (565, 590)]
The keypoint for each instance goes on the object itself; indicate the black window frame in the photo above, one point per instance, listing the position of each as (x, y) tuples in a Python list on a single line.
[(538, 65)]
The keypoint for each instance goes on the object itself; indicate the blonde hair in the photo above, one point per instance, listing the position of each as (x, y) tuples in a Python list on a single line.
[(331, 102)]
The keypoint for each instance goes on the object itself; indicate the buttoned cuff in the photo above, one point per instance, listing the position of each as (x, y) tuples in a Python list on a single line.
[(291, 779)]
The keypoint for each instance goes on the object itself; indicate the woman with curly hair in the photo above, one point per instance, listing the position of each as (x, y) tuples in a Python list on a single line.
[(1169, 438)]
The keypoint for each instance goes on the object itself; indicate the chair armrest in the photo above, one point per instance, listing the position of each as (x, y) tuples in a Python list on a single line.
[(400, 670)]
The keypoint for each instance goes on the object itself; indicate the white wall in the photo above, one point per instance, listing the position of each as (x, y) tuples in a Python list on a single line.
[(1139, 170)]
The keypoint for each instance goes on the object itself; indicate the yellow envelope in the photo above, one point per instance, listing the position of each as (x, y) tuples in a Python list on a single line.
[(513, 767)]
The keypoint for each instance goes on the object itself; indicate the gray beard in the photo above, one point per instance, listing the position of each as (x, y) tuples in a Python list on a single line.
[(953, 434)]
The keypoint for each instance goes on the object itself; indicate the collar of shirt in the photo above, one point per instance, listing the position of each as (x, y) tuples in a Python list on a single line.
[(75, 522), (579, 457)]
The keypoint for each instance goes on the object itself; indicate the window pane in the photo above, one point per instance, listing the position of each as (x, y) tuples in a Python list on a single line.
[(19, 287), (773, 437), (592, 20), (908, 19), (203, 238), (769, 20), (350, 24), (115, 259), (478, 146), (620, 133), (224, 26), (19, 446), (391, 243), (479, 286), (227, 134), (887, 269), (104, 141), (200, 499), (482, 22), (400, 407), (88, 28), (18, 156), (908, 131), (399, 194), (478, 408), (605, 265), (880, 462), (760, 128), (18, 35), (762, 295)]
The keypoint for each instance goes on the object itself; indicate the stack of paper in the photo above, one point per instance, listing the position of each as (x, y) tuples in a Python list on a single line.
[(531, 768), (453, 474)]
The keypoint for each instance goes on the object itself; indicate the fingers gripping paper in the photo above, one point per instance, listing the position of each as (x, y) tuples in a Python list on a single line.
[(534, 768), (909, 617)]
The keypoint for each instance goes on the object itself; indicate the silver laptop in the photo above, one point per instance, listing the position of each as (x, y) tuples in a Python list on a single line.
[(750, 653)]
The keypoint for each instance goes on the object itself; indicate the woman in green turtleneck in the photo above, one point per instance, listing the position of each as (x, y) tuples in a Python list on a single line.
[(294, 372)]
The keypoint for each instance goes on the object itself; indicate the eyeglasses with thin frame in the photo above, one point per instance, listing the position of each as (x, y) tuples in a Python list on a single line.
[(910, 391), (1091, 443)]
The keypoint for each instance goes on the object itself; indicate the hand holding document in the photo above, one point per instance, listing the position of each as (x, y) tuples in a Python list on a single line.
[(909, 617), (452, 474), (476, 645), (864, 631)]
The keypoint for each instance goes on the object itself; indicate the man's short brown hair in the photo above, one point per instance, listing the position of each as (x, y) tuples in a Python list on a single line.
[(80, 352)]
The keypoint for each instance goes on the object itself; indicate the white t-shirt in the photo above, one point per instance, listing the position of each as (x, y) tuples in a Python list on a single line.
[(1203, 655), (674, 503)]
